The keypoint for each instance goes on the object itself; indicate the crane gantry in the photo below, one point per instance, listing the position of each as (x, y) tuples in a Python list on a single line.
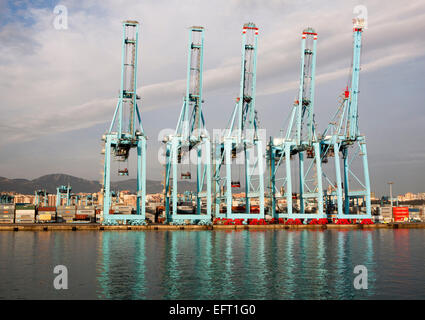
[(128, 132), (190, 136), (63, 192), (296, 160), (241, 138), (342, 139), (299, 140)]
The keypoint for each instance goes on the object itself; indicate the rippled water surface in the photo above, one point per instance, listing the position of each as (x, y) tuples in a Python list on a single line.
[(279, 264)]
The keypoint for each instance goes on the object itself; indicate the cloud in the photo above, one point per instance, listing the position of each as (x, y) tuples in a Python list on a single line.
[(69, 76), (65, 81)]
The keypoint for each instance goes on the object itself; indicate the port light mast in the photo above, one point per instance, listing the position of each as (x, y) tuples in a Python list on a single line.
[(299, 139), (190, 136), (126, 131), (342, 139), (241, 137)]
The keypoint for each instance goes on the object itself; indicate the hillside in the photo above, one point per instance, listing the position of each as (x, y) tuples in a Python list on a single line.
[(51, 181)]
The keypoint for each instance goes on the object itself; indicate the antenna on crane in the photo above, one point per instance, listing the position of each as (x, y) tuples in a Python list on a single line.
[(128, 132)]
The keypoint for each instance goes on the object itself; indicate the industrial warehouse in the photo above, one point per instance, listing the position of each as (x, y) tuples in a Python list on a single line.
[(302, 177)]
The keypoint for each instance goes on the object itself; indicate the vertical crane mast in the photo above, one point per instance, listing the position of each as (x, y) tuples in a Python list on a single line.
[(342, 139), (353, 129), (244, 113), (242, 135), (305, 108), (190, 135), (300, 138), (129, 131)]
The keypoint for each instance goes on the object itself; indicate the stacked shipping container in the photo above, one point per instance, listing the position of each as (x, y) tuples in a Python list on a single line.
[(7, 213), (66, 213), (400, 214), (46, 214), (24, 213), (86, 213)]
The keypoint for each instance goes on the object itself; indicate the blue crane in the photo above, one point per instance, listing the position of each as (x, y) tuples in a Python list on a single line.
[(190, 135), (126, 131), (241, 137), (342, 138), (299, 139), (6, 198), (63, 192), (41, 197)]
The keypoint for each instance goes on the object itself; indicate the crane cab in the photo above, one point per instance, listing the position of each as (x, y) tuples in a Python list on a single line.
[(310, 153), (236, 184), (186, 175), (123, 172)]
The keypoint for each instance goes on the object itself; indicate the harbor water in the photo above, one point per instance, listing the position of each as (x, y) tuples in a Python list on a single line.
[(271, 264)]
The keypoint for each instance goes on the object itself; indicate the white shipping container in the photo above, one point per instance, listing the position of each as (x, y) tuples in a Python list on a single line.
[(32, 211), (24, 220), (87, 211), (7, 206)]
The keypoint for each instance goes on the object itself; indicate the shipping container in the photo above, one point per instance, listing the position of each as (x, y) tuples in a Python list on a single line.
[(45, 217), (65, 218), (386, 212), (46, 214), (65, 213), (89, 212), (7, 207), (7, 214), (24, 206), (400, 214), (46, 209)]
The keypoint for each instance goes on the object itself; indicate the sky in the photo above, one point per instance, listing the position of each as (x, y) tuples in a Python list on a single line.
[(59, 87)]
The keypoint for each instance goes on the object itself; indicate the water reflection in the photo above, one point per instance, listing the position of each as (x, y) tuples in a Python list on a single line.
[(281, 264), (233, 264), (121, 265)]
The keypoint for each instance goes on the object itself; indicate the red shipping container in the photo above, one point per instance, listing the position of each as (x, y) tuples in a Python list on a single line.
[(400, 214), (400, 209), (47, 209)]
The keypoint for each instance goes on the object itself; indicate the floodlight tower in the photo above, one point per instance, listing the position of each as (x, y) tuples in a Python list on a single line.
[(63, 192), (342, 138), (190, 135), (128, 131), (241, 137), (300, 139)]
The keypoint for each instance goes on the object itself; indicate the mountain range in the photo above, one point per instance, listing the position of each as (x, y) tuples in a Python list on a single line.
[(51, 181)]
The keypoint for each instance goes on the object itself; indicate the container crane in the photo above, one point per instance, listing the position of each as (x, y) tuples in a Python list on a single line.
[(63, 192), (342, 138), (241, 137), (128, 132), (190, 135), (41, 197), (300, 139), (6, 198)]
